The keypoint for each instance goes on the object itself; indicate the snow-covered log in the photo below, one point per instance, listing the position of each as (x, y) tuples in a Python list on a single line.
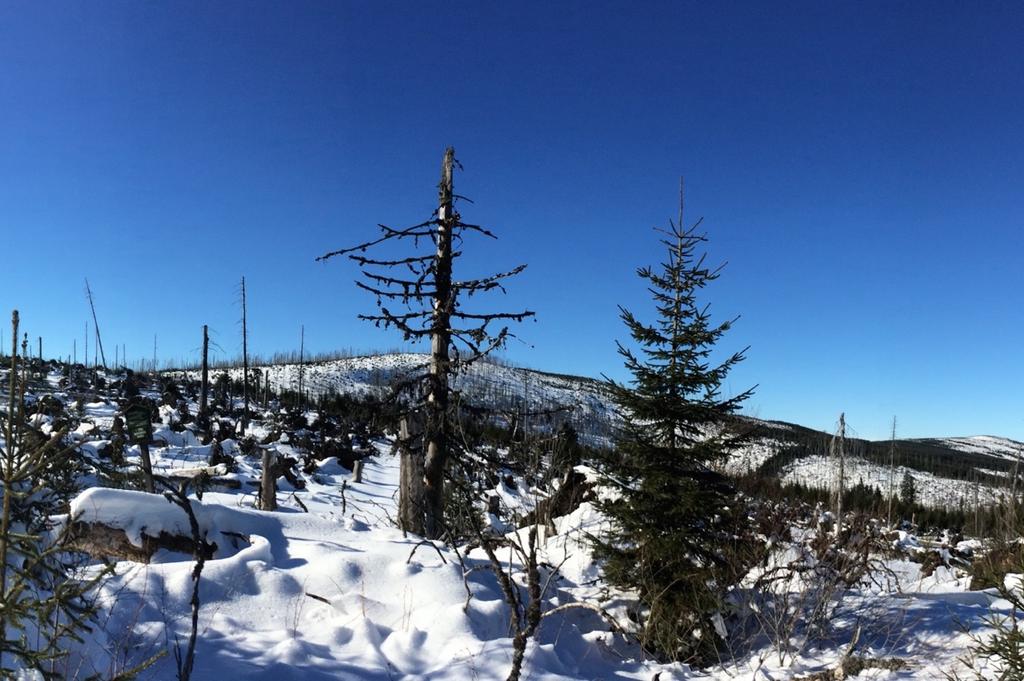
[(129, 525)]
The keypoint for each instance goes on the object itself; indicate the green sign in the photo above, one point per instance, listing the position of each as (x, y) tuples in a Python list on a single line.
[(139, 426)]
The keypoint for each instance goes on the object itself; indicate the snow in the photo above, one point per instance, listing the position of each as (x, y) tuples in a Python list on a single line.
[(339, 593), (333, 595), (486, 381), (930, 489), (390, 614), (136, 513)]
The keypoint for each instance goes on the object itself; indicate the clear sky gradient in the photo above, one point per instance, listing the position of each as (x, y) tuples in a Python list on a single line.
[(859, 165)]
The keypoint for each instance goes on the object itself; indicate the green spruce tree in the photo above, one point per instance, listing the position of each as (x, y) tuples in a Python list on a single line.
[(908, 493), (45, 605), (673, 518)]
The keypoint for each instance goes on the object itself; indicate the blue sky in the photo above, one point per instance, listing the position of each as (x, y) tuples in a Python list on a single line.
[(859, 166)]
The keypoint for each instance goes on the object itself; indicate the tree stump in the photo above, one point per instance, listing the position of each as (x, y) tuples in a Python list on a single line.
[(268, 483)]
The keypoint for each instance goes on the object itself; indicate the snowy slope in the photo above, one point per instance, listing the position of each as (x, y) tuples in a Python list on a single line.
[(338, 593), (327, 588), (984, 444), (970, 467), (584, 401)]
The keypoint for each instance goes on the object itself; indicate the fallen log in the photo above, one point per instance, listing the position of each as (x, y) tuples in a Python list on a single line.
[(214, 476), (102, 541)]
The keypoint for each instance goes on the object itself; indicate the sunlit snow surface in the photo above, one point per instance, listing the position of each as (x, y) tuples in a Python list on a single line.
[(392, 616), (391, 613)]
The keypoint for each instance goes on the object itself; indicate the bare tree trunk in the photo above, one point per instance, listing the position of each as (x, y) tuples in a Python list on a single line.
[(205, 390), (410, 510), (268, 483), (892, 471), (838, 444), (302, 351), (245, 364), (96, 324), (437, 383)]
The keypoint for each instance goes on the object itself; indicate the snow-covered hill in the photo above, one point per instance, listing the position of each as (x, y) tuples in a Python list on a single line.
[(984, 444), (495, 385), (949, 472), (326, 587)]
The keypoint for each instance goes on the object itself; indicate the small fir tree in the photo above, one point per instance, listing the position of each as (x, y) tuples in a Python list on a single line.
[(908, 493), (43, 602), (672, 521)]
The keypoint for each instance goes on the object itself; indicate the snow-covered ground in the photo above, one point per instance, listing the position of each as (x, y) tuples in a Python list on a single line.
[(334, 593), (327, 588), (483, 382), (931, 490), (338, 593), (594, 415), (986, 444)]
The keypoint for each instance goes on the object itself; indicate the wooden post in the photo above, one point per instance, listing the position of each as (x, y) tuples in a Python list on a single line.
[(268, 483), (139, 419), (147, 466)]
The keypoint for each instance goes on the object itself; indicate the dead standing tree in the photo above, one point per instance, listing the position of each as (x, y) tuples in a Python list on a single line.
[(245, 364), (429, 299)]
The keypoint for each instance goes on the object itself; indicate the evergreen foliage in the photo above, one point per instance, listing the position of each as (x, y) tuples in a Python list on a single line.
[(43, 605), (674, 520), (908, 493)]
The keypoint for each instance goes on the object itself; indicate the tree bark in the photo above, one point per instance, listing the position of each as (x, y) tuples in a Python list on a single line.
[(245, 364), (410, 500), (440, 339), (101, 541), (205, 391), (268, 483)]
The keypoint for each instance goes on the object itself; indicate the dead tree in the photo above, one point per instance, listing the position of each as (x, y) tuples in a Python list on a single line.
[(96, 325), (302, 352), (410, 513), (838, 452), (268, 481), (205, 391), (245, 364), (429, 300), (892, 472)]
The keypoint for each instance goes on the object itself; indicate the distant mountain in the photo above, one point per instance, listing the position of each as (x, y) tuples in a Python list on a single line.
[(948, 472)]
